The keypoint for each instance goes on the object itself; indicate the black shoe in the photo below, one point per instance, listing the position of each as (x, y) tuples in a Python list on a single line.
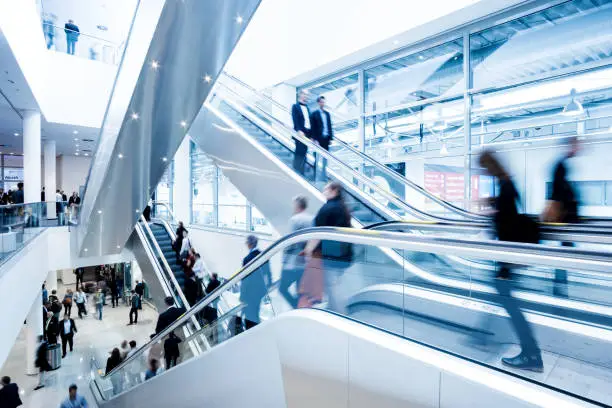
[(525, 362), (130, 323), (38, 387), (63, 356)]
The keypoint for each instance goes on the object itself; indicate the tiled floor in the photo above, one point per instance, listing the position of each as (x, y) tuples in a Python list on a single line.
[(95, 339)]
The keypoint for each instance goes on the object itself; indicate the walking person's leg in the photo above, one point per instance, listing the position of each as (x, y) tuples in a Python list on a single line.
[(64, 343), (288, 276), (71, 342), (530, 356)]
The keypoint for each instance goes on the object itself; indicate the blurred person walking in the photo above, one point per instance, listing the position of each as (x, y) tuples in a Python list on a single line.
[(293, 262), (99, 301), (171, 350), (81, 301), (178, 242), (515, 227), (134, 304), (80, 273), (322, 133), (301, 124), (255, 286), (9, 394), (140, 290), (327, 260), (111, 363), (168, 317), (67, 302), (41, 362), (563, 207), (74, 400)]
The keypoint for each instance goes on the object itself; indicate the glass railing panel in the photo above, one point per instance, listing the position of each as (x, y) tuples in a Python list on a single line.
[(405, 288), (387, 184)]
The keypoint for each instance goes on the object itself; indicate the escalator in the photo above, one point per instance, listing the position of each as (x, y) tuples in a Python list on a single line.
[(417, 331), (254, 150)]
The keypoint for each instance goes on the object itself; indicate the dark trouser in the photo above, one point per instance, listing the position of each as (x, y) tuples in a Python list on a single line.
[(115, 299), (170, 361), (322, 175), (299, 158), (332, 270), (66, 339), (133, 312), (79, 279), (520, 324), (139, 301), (68, 309), (251, 311), (288, 277), (560, 284), (81, 308)]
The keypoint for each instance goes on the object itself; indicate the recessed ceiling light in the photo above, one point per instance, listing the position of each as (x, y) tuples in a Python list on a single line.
[(120, 156), (207, 78), (16, 134), (421, 57), (137, 210), (85, 249), (395, 42), (76, 139), (164, 159), (154, 64), (99, 211), (239, 19), (183, 123), (135, 116), (118, 246), (75, 132), (76, 154), (86, 154)]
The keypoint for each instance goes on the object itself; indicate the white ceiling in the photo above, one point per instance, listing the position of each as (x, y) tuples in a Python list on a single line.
[(289, 37), (115, 15)]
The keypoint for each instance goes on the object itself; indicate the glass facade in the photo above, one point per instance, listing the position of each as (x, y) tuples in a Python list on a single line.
[(216, 202), (520, 86)]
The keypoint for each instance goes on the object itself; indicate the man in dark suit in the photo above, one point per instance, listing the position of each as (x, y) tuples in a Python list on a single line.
[(67, 330), (255, 286), (322, 133), (80, 273), (169, 316), (301, 124), (9, 394)]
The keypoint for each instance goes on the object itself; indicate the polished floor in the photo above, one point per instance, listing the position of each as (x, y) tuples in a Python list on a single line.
[(92, 344)]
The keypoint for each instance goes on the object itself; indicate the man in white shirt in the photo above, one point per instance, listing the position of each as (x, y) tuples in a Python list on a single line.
[(198, 267), (301, 124)]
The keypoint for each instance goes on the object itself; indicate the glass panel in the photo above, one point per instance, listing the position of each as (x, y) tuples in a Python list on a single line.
[(204, 214), (427, 74), (570, 35), (341, 96), (455, 304), (259, 223), (233, 217)]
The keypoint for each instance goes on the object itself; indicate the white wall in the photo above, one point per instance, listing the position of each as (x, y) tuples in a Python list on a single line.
[(72, 172), (223, 251)]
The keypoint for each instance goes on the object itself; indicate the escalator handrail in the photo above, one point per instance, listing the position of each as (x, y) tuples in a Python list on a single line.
[(330, 157), (532, 254), (379, 166)]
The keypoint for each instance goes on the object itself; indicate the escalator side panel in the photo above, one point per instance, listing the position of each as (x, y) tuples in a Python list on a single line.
[(312, 358), (256, 173)]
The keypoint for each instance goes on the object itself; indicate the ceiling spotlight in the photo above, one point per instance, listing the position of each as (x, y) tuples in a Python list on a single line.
[(75, 132), (183, 123), (120, 156), (421, 57), (444, 149), (135, 116), (239, 19), (395, 42), (137, 210), (86, 154), (85, 249), (76, 154), (99, 211), (207, 78), (76, 139), (15, 134), (573, 108), (164, 159), (118, 246), (154, 64)]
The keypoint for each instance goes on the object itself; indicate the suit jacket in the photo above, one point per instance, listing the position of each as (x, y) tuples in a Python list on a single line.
[(73, 328), (298, 117), (253, 287), (168, 317), (317, 127), (9, 396)]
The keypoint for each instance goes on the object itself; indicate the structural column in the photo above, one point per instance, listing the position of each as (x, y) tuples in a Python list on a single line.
[(467, 122), (31, 156), (49, 182), (34, 328), (182, 182), (51, 281)]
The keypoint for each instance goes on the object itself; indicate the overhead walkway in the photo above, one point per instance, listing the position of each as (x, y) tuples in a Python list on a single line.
[(387, 344)]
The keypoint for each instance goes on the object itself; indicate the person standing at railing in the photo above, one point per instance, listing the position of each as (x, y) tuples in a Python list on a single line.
[(514, 227), (49, 29), (73, 204), (254, 287), (72, 36), (322, 133), (301, 124)]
